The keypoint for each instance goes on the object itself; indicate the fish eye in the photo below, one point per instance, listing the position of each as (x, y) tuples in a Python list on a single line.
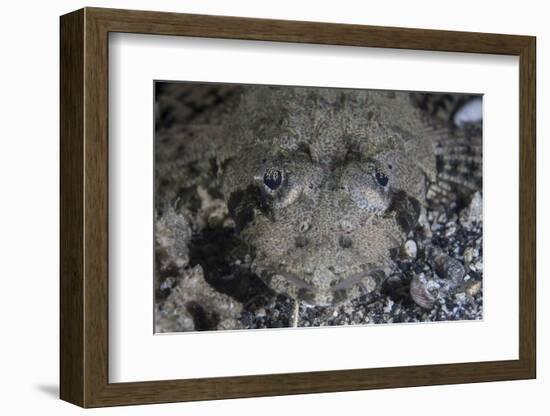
[(381, 178), (273, 178)]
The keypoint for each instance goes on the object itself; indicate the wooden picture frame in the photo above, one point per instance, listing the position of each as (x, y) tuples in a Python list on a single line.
[(84, 207)]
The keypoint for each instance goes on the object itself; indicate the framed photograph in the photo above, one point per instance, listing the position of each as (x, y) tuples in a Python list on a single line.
[(255, 207)]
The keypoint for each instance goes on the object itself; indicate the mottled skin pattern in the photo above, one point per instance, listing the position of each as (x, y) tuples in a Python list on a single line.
[(324, 184)]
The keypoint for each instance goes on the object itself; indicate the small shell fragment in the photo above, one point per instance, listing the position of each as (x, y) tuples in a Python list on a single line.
[(473, 287), (449, 268), (422, 292), (409, 250)]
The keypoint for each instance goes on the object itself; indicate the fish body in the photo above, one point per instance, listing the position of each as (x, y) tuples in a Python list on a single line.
[(324, 184)]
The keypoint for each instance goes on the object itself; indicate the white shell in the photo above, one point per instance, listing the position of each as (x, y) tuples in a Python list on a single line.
[(471, 112)]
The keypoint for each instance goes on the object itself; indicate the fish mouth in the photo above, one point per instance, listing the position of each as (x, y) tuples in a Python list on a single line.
[(337, 289)]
